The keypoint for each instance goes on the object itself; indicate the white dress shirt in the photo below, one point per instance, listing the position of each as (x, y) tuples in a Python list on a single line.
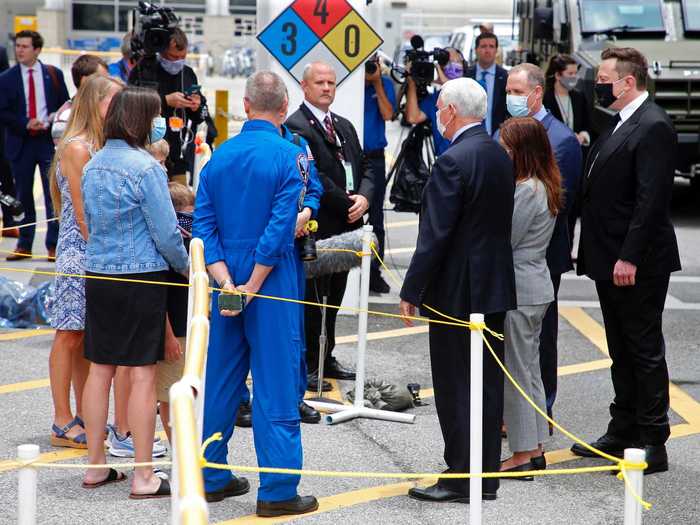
[(630, 108), (39, 92), (319, 114), (462, 130)]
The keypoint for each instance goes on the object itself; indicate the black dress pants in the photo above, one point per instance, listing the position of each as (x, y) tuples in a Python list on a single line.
[(333, 286), (632, 316), (548, 347), (449, 358), (377, 165), (7, 186)]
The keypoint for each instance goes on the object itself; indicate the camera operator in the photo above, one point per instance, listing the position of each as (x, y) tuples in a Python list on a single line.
[(380, 104), (182, 104), (421, 109)]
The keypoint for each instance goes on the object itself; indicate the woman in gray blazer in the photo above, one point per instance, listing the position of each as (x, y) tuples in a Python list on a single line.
[(538, 199)]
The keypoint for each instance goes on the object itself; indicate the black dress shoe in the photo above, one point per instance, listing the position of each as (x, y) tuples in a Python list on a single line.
[(337, 371), (656, 458), (308, 413), (539, 462), (525, 467), (312, 383), (298, 505), (235, 487), (377, 284), (244, 418), (608, 444), (439, 494)]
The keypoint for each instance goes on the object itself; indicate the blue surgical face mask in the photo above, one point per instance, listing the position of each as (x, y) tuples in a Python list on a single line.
[(454, 70), (517, 105), (158, 129), (172, 67)]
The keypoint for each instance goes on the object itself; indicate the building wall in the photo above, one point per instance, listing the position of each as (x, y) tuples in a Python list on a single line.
[(11, 8)]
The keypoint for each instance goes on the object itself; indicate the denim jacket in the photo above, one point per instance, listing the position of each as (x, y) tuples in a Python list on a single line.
[(131, 221)]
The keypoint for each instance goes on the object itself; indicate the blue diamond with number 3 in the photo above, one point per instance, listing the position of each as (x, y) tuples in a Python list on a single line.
[(288, 38)]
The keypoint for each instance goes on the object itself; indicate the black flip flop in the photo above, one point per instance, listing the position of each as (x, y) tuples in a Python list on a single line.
[(113, 477), (162, 492)]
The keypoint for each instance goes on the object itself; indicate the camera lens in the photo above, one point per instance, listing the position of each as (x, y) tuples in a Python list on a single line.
[(370, 68)]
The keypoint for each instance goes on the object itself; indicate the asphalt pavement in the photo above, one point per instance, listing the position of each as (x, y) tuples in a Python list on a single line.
[(401, 357)]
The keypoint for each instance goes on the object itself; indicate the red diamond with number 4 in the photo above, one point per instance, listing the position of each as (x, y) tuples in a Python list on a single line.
[(321, 15)]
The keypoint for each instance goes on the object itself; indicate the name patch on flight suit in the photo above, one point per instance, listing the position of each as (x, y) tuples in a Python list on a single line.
[(303, 167)]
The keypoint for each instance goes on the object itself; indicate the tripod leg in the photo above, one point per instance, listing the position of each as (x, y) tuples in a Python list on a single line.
[(322, 348)]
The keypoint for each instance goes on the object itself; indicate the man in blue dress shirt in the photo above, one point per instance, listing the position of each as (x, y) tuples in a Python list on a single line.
[(380, 104), (492, 78)]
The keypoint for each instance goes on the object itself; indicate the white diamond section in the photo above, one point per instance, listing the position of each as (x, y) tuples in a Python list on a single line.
[(320, 53)]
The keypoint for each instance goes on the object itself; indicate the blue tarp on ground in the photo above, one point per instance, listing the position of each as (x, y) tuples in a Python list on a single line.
[(24, 306)]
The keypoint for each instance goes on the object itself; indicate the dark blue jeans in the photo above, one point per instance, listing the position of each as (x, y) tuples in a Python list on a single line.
[(37, 151), (377, 166)]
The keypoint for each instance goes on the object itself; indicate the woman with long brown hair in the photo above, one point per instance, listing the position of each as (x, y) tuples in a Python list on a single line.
[(538, 199), (82, 137)]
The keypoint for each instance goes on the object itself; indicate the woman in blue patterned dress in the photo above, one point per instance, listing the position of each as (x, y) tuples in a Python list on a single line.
[(83, 136)]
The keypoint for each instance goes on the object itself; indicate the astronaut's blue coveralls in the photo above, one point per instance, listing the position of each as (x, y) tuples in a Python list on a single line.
[(245, 213), (312, 200)]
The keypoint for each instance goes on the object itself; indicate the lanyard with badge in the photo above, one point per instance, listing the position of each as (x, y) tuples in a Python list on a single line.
[(347, 166)]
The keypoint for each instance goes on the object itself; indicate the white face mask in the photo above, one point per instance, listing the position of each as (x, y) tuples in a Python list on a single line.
[(440, 126)]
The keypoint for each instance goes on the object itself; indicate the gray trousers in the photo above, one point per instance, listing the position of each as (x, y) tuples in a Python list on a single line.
[(526, 428)]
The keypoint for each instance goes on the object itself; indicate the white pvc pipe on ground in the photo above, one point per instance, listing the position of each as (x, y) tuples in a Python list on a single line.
[(633, 509), (476, 352), (26, 485)]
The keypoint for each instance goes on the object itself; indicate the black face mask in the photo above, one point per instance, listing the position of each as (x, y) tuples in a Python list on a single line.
[(604, 94)]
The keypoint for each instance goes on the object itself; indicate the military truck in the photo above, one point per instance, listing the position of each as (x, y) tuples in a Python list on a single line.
[(666, 31)]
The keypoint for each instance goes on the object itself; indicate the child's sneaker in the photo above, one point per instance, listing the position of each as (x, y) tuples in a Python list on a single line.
[(123, 446)]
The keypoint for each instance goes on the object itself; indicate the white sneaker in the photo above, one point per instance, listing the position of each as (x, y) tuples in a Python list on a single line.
[(123, 446)]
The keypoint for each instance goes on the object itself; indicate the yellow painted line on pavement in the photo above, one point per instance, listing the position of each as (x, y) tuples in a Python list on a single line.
[(401, 224), (65, 454), (385, 334), (24, 334), (578, 368), (24, 385), (397, 251), (681, 403), (346, 499)]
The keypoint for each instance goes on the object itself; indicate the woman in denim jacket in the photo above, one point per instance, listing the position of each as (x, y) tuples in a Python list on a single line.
[(132, 235)]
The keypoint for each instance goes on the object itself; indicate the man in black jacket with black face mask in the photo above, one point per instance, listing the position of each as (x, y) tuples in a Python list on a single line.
[(347, 192), (181, 103)]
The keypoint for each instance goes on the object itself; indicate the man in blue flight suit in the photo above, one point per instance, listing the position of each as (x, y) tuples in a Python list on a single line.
[(246, 214), (307, 211)]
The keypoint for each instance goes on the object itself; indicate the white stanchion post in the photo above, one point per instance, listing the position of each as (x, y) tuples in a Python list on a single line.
[(26, 485), (476, 389), (633, 509), (343, 412), (175, 467)]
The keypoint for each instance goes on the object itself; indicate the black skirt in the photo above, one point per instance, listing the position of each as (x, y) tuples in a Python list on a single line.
[(125, 322)]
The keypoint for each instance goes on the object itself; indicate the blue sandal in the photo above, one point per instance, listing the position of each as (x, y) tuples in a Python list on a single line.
[(60, 439)]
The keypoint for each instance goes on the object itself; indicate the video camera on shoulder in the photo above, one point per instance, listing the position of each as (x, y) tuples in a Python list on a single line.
[(153, 27), (423, 62)]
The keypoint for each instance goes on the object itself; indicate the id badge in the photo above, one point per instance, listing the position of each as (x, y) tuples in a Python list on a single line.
[(176, 124), (349, 181)]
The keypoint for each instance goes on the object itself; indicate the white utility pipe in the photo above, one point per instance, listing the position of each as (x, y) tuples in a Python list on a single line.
[(26, 485), (476, 386), (633, 509)]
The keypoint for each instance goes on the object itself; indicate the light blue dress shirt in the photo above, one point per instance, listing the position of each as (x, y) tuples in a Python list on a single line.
[(490, 79)]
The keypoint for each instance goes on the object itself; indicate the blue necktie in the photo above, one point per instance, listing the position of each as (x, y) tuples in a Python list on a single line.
[(482, 81)]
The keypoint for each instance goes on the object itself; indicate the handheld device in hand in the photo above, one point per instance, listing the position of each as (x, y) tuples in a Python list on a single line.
[(194, 89), (230, 301)]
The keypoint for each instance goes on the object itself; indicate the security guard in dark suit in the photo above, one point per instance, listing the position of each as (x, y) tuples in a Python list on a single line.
[(347, 192)]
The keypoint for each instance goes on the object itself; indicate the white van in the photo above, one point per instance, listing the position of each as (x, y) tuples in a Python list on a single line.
[(463, 38)]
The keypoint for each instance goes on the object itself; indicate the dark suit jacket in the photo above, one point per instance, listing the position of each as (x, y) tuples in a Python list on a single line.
[(13, 106), (567, 152), (582, 119), (4, 62), (499, 113), (625, 211), (463, 261), (335, 203)]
